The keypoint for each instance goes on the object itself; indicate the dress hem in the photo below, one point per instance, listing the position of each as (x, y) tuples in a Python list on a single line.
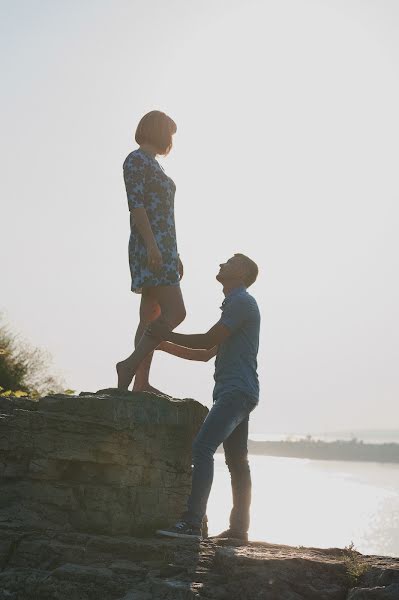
[(139, 290)]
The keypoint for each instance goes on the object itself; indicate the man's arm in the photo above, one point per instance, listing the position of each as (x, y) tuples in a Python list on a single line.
[(188, 353), (215, 336)]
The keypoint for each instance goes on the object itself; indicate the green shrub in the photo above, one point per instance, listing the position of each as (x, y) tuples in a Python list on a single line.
[(355, 564), (24, 370)]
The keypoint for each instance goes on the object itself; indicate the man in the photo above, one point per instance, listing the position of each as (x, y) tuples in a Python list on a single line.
[(234, 339)]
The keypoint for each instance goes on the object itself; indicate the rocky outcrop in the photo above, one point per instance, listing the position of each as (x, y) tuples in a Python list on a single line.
[(74, 566), (82, 477), (107, 463)]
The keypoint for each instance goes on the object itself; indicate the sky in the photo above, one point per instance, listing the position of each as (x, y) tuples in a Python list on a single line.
[(286, 150)]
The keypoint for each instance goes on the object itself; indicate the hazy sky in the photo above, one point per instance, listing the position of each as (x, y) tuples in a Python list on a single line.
[(287, 150)]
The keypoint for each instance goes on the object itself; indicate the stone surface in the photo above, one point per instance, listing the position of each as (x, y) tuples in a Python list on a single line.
[(63, 566), (80, 477), (390, 592), (109, 462)]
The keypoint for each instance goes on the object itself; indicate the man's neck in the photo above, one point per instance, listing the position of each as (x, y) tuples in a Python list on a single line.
[(230, 286)]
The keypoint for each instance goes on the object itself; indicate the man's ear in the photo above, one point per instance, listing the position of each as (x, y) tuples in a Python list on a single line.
[(241, 270), (243, 274)]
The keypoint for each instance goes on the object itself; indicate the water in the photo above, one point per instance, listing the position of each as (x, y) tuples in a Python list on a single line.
[(369, 436), (316, 503)]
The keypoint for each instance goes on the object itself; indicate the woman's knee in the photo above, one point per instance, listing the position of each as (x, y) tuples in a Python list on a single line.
[(174, 316), (172, 306), (149, 309), (180, 315)]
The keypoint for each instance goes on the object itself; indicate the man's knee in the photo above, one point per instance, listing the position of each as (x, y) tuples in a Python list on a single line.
[(237, 462), (201, 451)]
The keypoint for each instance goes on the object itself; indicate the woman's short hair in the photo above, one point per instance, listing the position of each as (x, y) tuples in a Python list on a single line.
[(156, 128), (251, 269)]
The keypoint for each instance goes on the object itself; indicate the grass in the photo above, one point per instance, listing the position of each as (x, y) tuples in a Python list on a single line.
[(355, 564)]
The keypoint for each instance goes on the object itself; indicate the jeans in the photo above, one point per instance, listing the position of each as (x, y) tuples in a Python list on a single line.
[(226, 422)]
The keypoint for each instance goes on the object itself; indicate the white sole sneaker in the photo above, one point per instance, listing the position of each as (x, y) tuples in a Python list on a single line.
[(179, 535)]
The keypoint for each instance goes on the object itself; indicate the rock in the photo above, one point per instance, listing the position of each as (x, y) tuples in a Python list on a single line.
[(82, 573), (388, 577), (380, 575), (390, 592), (173, 589), (108, 462), (82, 566), (127, 567), (84, 481), (137, 595)]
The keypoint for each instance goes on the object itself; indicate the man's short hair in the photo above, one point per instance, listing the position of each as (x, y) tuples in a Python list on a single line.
[(251, 269), (156, 128)]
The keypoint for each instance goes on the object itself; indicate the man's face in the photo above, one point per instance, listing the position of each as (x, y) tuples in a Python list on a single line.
[(230, 270)]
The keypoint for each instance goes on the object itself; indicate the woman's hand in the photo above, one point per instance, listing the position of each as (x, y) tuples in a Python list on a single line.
[(181, 269), (154, 258)]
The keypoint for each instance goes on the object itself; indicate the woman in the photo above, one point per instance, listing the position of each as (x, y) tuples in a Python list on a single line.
[(155, 265)]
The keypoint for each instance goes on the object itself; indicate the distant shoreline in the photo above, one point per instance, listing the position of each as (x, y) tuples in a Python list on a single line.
[(352, 450)]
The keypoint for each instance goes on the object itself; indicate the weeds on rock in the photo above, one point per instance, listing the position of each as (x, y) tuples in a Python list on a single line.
[(355, 565), (24, 369)]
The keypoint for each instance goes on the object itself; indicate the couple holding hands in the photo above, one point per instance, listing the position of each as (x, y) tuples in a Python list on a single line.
[(156, 271)]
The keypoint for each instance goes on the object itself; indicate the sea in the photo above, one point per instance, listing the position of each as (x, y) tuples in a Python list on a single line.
[(316, 503)]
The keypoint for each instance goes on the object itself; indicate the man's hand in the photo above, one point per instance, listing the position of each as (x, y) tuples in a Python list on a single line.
[(187, 353), (159, 329), (201, 341), (163, 346)]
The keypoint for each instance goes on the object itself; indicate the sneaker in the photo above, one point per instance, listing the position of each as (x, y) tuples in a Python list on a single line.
[(232, 535), (182, 530)]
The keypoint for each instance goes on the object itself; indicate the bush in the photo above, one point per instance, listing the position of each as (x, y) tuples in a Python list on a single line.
[(355, 564), (24, 370)]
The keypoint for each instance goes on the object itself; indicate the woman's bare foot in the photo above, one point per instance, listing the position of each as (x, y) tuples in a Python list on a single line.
[(124, 375)]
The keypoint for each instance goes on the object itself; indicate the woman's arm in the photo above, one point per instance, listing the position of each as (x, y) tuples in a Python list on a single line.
[(134, 174), (138, 217), (188, 353)]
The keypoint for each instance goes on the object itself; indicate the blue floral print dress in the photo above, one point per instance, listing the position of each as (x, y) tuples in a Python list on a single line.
[(148, 186)]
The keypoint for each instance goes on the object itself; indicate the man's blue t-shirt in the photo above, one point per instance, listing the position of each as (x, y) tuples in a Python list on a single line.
[(236, 360)]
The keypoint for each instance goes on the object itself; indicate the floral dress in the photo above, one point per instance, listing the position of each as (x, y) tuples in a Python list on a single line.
[(148, 186)]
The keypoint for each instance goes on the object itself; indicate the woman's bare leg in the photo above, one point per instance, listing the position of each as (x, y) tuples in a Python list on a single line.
[(149, 311), (173, 312)]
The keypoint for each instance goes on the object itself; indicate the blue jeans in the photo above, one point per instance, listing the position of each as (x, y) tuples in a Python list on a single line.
[(226, 422)]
